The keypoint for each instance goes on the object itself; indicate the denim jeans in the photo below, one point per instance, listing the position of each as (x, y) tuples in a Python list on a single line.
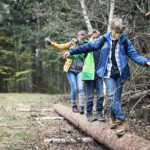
[(77, 85), (114, 90), (90, 86)]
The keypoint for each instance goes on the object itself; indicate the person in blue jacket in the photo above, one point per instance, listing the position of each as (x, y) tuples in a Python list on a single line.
[(113, 67)]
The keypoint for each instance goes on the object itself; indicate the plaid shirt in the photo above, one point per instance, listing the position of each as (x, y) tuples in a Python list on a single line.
[(109, 64)]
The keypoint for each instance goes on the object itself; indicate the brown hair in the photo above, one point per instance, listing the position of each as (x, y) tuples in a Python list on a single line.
[(117, 24), (93, 31), (81, 32)]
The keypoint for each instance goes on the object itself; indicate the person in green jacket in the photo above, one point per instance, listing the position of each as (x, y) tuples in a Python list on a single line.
[(92, 81)]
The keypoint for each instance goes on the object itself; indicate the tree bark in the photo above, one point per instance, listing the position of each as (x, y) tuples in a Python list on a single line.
[(102, 133), (111, 13), (85, 15)]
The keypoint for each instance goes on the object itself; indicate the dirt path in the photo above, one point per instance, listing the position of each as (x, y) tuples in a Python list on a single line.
[(27, 123)]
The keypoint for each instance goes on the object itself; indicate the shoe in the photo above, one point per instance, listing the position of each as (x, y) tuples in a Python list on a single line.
[(122, 128), (112, 123), (100, 116), (118, 122), (81, 109), (75, 109), (90, 117)]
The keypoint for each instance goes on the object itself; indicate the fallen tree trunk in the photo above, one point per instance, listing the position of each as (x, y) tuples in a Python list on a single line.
[(101, 132), (136, 96)]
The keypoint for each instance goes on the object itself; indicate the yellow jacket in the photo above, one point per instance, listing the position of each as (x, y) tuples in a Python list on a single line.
[(63, 47)]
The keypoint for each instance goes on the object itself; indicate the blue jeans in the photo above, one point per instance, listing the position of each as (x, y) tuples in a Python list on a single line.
[(77, 85), (114, 90), (90, 86)]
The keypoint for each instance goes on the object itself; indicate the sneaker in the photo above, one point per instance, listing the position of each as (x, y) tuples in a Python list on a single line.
[(75, 109), (81, 109), (90, 117), (122, 128), (112, 123), (100, 116)]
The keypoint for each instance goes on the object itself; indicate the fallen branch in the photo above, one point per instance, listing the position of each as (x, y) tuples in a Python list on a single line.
[(50, 118), (71, 140), (31, 110), (102, 133), (136, 96), (132, 110)]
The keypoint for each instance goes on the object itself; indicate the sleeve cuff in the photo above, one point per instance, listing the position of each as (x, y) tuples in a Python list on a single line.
[(71, 52), (146, 63)]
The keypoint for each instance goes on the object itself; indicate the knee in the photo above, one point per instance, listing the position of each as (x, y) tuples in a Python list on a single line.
[(74, 90), (110, 94), (81, 92)]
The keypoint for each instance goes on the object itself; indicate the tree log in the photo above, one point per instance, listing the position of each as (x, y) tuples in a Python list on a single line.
[(136, 96), (102, 133)]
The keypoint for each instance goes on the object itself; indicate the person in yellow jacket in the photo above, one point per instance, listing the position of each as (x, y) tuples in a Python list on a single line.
[(73, 69)]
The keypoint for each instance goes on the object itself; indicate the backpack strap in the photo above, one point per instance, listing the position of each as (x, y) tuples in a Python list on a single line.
[(102, 42), (126, 46)]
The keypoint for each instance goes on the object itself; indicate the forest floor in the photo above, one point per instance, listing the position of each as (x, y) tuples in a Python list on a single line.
[(22, 126)]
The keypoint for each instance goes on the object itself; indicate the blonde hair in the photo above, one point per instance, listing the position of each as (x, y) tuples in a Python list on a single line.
[(93, 31), (117, 24)]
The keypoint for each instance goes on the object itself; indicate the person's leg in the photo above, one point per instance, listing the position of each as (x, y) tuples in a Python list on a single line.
[(114, 89), (71, 76), (110, 89), (81, 94), (89, 102), (89, 95), (116, 103), (100, 98)]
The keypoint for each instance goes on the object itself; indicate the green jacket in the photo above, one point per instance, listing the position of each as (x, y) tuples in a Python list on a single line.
[(88, 71)]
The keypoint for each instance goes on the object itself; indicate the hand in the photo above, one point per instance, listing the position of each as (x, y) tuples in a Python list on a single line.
[(48, 40), (148, 63), (66, 54)]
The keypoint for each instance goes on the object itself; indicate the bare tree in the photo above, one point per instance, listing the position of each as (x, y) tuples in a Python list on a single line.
[(111, 14), (85, 15)]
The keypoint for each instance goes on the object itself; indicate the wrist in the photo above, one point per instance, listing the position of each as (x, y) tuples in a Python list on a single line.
[(49, 42), (70, 52), (147, 63)]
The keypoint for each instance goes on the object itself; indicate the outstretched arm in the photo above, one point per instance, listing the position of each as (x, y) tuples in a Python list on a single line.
[(86, 48), (60, 47), (77, 56), (133, 55)]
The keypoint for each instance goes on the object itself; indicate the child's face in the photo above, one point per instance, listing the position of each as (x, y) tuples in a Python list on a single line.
[(82, 37), (116, 34), (93, 37)]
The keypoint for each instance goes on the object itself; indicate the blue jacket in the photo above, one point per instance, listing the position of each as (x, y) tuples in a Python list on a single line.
[(104, 53)]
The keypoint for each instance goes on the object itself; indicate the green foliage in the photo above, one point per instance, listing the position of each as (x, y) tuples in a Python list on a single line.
[(27, 63), (20, 73)]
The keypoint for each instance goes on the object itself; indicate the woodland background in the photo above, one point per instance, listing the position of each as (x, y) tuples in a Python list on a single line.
[(27, 64)]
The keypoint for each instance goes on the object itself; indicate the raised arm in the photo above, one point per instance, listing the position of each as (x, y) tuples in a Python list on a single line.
[(60, 47), (134, 56)]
